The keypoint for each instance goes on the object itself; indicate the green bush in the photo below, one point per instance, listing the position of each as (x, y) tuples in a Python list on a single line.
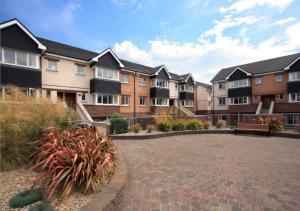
[(206, 125), (164, 126), (178, 125), (21, 120), (194, 124), (119, 124), (25, 198), (43, 206)]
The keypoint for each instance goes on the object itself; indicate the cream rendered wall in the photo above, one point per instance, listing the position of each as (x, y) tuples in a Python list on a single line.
[(220, 93), (66, 77), (173, 90), (203, 98)]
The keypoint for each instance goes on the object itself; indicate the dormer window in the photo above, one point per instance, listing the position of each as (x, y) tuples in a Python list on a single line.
[(159, 83), (19, 58), (107, 73), (239, 83)]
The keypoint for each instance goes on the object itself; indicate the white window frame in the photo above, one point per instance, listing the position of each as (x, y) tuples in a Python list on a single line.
[(185, 88), (142, 81), (79, 72), (127, 102), (231, 101), (49, 67), (258, 80), (144, 101), (221, 105), (101, 69), (240, 84), (155, 83), (106, 104), (297, 95), (280, 79), (155, 100), (126, 77), (294, 76), (223, 84), (37, 61), (185, 104)]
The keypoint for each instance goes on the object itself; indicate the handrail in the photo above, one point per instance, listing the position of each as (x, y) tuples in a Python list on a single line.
[(84, 115), (271, 107), (259, 107), (186, 111)]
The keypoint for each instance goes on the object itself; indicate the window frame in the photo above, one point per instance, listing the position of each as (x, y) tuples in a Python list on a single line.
[(222, 98), (142, 81), (15, 59), (144, 99), (184, 88), (256, 80), (122, 78), (242, 102), (83, 70), (293, 78), (107, 99), (125, 97), (297, 97), (281, 78), (232, 84), (222, 86), (52, 69), (108, 73)]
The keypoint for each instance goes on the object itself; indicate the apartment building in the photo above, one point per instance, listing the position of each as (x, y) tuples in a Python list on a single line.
[(204, 99), (101, 82), (263, 87)]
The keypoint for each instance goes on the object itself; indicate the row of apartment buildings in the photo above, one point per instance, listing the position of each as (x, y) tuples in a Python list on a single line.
[(263, 87), (101, 82)]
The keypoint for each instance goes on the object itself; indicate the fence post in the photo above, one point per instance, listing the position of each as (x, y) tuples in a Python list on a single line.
[(238, 117)]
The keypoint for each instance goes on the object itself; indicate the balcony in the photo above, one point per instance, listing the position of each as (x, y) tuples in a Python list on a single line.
[(159, 92), (186, 96), (240, 92), (105, 86)]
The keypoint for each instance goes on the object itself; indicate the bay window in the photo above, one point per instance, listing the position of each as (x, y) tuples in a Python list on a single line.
[(20, 58), (107, 99), (238, 100), (159, 83), (187, 103), (294, 97), (107, 73), (239, 83), (159, 101), (294, 76)]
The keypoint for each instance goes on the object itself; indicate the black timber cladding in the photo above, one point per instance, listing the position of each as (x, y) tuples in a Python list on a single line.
[(190, 81), (237, 75), (186, 96), (108, 61), (295, 67), (159, 92), (293, 87), (240, 92), (15, 38), (162, 75), (22, 77), (105, 86)]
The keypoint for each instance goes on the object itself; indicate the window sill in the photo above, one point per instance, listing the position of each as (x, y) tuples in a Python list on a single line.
[(107, 104), (142, 85), (80, 74), (142, 105), (52, 70), (125, 105), (106, 79), (125, 82)]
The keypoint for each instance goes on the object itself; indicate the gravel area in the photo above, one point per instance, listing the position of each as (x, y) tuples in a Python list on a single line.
[(15, 181)]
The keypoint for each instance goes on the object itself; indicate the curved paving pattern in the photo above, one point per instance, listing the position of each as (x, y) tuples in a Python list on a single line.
[(212, 172)]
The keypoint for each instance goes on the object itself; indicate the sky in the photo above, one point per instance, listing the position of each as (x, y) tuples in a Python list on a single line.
[(188, 36)]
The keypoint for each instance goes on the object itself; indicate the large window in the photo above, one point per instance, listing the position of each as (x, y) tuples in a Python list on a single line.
[(159, 83), (293, 119), (187, 103), (159, 101), (142, 101), (239, 83), (221, 86), (107, 99), (125, 100), (107, 73), (124, 78), (186, 88), (294, 97), (52, 65), (142, 81), (80, 70), (294, 76), (222, 101), (238, 100), (21, 58)]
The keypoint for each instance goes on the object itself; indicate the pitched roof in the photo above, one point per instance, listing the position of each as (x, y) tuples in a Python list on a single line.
[(137, 67), (204, 85), (260, 67), (67, 50)]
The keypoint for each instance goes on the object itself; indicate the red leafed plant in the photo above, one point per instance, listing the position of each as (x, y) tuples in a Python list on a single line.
[(74, 158), (274, 122)]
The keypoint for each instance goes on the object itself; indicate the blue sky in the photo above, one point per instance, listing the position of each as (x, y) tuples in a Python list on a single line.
[(187, 36)]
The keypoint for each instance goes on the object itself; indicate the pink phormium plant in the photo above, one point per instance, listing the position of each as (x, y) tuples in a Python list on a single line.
[(77, 157), (274, 122)]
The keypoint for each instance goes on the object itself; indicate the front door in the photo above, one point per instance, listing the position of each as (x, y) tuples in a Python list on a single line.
[(266, 100), (71, 100)]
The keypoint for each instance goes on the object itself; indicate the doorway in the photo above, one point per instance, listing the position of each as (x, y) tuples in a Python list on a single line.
[(266, 101), (71, 100)]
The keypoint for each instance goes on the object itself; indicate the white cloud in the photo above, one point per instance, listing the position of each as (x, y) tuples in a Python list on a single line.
[(67, 14), (243, 5), (204, 58), (284, 21), (135, 5)]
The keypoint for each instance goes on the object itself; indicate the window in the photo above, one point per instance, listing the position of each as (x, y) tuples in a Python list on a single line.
[(188, 103), (52, 65), (221, 86), (9, 56), (294, 97), (238, 100), (107, 73), (142, 81), (83, 97), (186, 88), (160, 101), (258, 80), (255, 98), (278, 78), (142, 101), (159, 83), (107, 99), (280, 96), (125, 100), (293, 119), (222, 101), (80, 70), (21, 58), (124, 78), (294, 76), (239, 83), (32, 60)]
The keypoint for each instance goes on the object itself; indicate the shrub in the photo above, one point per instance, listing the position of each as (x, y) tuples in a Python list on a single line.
[(164, 125), (43, 206), (178, 125), (136, 128), (21, 119), (220, 124), (74, 158), (119, 124), (274, 122), (150, 128), (194, 124), (25, 198), (206, 125)]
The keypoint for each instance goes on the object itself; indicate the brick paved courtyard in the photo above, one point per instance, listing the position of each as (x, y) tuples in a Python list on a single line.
[(212, 172)]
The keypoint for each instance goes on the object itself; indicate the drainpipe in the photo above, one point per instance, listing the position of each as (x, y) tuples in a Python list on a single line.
[(213, 103), (134, 100)]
